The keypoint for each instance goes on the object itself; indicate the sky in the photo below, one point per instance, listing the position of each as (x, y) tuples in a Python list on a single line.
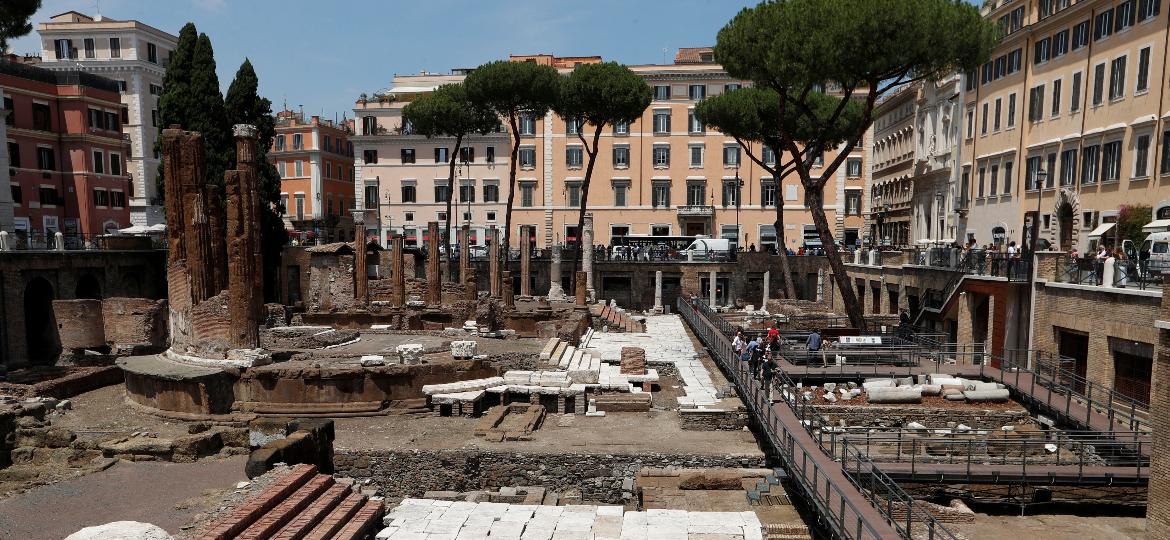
[(320, 55)]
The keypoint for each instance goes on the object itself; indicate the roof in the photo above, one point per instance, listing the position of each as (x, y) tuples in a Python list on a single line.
[(62, 78), (339, 248), (695, 55)]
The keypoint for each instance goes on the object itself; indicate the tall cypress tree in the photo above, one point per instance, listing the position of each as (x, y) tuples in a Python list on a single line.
[(245, 106), (209, 116), (176, 102)]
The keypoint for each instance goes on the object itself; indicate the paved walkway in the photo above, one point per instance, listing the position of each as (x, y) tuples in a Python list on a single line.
[(165, 494)]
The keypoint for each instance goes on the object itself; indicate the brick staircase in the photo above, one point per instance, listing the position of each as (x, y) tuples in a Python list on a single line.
[(301, 504), (618, 319)]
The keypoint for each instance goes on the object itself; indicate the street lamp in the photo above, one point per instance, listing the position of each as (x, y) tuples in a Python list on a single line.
[(1041, 178)]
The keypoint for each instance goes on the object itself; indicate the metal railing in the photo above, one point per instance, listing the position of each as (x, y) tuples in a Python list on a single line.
[(1091, 271), (830, 499), (1050, 372), (50, 241), (977, 262)]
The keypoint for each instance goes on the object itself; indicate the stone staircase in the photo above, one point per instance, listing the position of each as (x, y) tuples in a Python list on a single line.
[(617, 318), (300, 504), (769, 492)]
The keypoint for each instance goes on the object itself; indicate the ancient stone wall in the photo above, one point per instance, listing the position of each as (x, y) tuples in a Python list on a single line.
[(599, 477), (712, 419), (125, 325)]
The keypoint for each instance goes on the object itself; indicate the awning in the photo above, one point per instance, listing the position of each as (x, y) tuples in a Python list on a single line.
[(1158, 225), (1101, 230)]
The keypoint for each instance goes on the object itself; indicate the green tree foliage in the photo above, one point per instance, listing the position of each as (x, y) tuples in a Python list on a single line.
[(448, 112), (599, 95), (1130, 220), (244, 105), (856, 50), (14, 19), (510, 90)]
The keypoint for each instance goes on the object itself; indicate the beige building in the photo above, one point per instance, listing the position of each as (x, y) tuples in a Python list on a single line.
[(1076, 89), (892, 188), (663, 175), (136, 56)]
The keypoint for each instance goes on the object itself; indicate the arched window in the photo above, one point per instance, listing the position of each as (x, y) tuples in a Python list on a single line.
[(998, 235), (1163, 213)]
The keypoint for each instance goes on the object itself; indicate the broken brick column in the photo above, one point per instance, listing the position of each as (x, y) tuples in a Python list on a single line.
[(633, 361), (188, 234), (494, 262), (471, 288), (525, 260), (244, 297), (464, 252), (217, 231), (580, 288), (1158, 504), (398, 271), (506, 288), (360, 277), (434, 277)]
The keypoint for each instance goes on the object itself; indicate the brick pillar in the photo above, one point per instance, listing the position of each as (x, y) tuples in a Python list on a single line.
[(244, 297), (434, 276), (216, 234), (464, 252), (494, 263), (360, 284), (398, 271), (506, 288), (580, 288), (965, 334), (471, 288), (1158, 497), (525, 260), (186, 209)]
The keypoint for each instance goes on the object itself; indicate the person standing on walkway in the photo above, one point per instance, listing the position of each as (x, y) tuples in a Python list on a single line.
[(814, 341), (756, 354), (738, 344)]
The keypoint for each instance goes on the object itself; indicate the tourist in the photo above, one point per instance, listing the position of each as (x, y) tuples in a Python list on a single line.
[(738, 344), (1102, 254), (750, 350), (773, 332), (757, 353), (904, 324), (1013, 254), (814, 341)]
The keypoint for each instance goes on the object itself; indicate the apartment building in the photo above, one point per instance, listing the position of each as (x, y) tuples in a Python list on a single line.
[(1064, 125), (135, 55), (892, 188), (315, 161), (66, 154), (664, 174)]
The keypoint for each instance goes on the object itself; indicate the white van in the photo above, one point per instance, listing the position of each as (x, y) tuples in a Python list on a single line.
[(1156, 248), (709, 249)]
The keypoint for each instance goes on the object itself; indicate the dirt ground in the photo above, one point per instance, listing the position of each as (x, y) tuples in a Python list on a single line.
[(169, 495), (105, 412), (1052, 527)]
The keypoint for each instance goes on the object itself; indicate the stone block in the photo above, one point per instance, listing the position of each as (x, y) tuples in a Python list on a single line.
[(370, 360), (464, 349), (633, 361), (410, 353)]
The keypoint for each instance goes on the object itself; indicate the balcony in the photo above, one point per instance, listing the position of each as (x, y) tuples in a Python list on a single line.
[(696, 210)]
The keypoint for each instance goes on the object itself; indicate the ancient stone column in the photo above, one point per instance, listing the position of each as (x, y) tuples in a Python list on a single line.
[(494, 263), (471, 287), (216, 230), (189, 240), (555, 291), (464, 252), (398, 269), (506, 288), (767, 286), (820, 284), (245, 299), (525, 259), (658, 290), (360, 284), (434, 277), (579, 288), (587, 255), (711, 289)]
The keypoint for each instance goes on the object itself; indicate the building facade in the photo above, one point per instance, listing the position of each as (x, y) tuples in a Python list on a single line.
[(135, 55), (315, 161), (891, 191), (1064, 125), (664, 174), (66, 154)]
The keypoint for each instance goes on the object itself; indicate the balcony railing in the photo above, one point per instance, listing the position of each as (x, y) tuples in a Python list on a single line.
[(696, 210)]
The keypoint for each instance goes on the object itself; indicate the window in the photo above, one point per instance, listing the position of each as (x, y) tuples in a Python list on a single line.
[(1148, 9), (1103, 25), (621, 157), (660, 194), (1000, 67), (768, 193), (527, 125), (442, 155), (115, 164), (982, 181), (1098, 84), (731, 86), (662, 92), (527, 194), (328, 169), (693, 123), (983, 122), (993, 188), (298, 141), (731, 156), (1165, 167), (661, 156), (300, 207), (1036, 104), (1007, 177), (621, 128), (101, 197), (115, 47), (853, 202), (299, 167), (371, 156), (117, 199), (10, 118), (1059, 43), (573, 126), (1141, 158), (1033, 173), (790, 193), (491, 193), (96, 119), (696, 155), (1041, 51), (1014, 60), (442, 192), (491, 216), (1089, 164), (125, 115), (573, 194), (1056, 97), (42, 119), (769, 156), (279, 143), (697, 92), (619, 193), (151, 53), (13, 154), (528, 158), (48, 196), (64, 49), (853, 167), (1117, 79), (1111, 161), (998, 109), (409, 193), (17, 195), (970, 122), (1143, 74), (1068, 167), (90, 48), (46, 161), (1080, 35), (1051, 178), (662, 121), (573, 156), (730, 193), (467, 191), (1074, 100), (154, 118), (1124, 15), (696, 193), (1011, 112)]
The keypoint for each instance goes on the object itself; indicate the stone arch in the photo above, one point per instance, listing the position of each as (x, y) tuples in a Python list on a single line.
[(88, 287), (1162, 209), (40, 328), (1066, 216)]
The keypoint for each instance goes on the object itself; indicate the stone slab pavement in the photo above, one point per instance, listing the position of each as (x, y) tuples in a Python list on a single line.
[(166, 494)]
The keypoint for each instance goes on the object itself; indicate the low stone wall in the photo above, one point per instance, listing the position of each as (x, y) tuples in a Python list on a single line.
[(931, 417), (713, 420), (599, 477)]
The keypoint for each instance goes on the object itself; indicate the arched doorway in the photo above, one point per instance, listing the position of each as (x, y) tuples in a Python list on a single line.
[(88, 287), (1064, 217), (1163, 213), (998, 236), (40, 327)]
